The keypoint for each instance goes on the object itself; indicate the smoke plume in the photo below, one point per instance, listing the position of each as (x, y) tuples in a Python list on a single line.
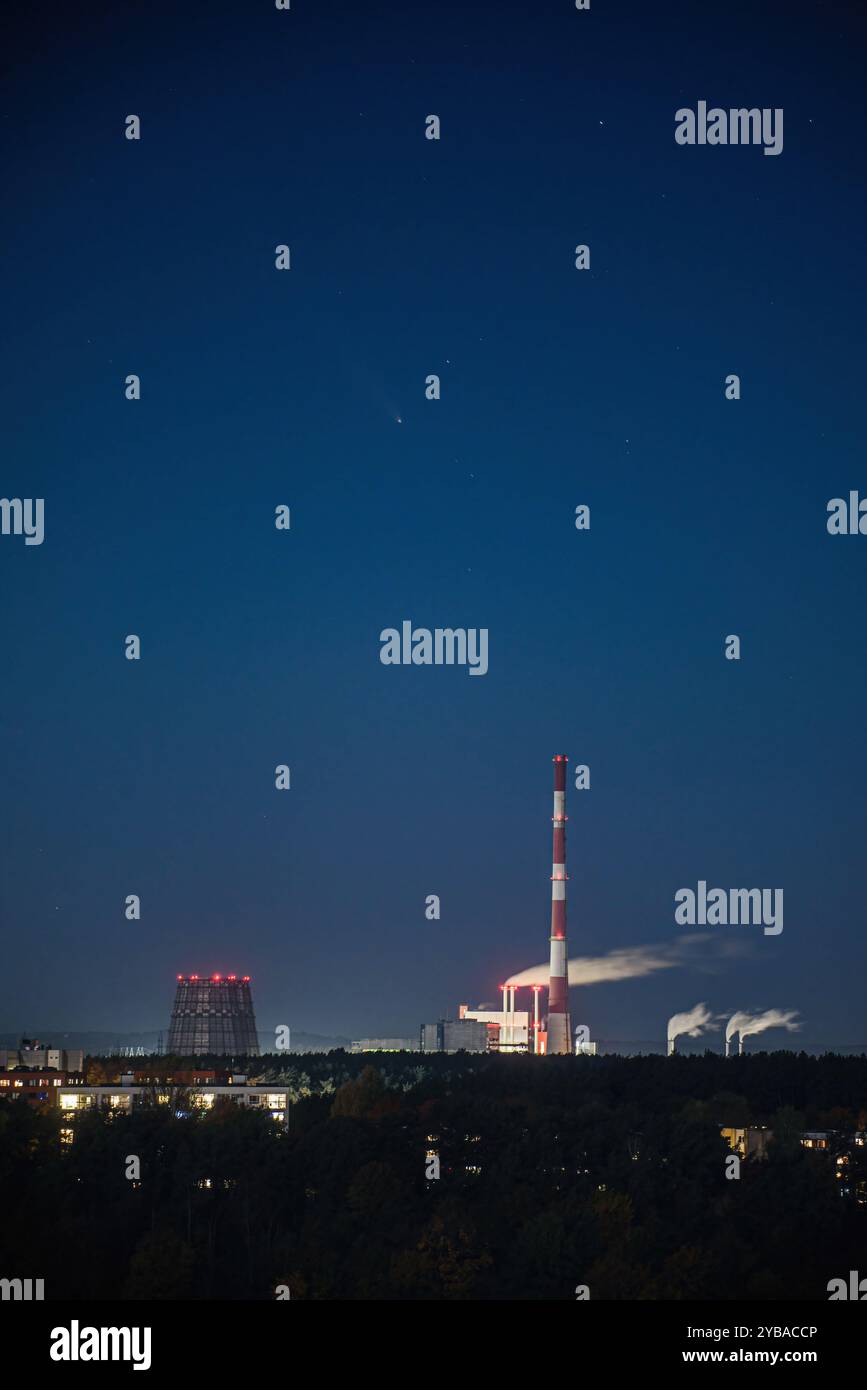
[(693, 1024), (628, 963), (747, 1024)]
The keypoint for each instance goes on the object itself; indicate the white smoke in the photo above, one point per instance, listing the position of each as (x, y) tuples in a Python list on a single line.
[(628, 963), (747, 1024), (593, 970), (735, 1023), (692, 1024)]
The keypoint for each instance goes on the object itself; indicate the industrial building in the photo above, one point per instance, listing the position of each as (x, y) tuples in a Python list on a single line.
[(512, 1029), (38, 1056), (483, 1029), (454, 1035), (509, 1029), (213, 1014)]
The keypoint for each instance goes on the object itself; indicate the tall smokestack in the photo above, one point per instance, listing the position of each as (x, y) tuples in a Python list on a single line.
[(559, 1025)]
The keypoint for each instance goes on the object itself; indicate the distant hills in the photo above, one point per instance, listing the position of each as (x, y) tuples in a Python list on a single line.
[(114, 1044)]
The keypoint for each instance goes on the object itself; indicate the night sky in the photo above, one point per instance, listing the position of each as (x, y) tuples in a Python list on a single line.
[(307, 388)]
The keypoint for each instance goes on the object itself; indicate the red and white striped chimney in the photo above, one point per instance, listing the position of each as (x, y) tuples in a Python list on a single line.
[(559, 1025)]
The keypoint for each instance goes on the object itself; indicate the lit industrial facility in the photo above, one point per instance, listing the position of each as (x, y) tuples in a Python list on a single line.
[(510, 1029), (480, 1030), (559, 1032), (485, 1029), (213, 1014), (513, 1029)]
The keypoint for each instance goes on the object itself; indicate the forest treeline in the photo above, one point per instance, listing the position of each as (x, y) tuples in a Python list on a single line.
[(608, 1172)]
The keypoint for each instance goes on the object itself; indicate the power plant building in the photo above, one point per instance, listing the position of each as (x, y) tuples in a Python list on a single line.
[(454, 1035), (508, 1029), (213, 1014)]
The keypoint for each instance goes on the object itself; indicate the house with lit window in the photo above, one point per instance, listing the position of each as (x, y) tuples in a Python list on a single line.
[(748, 1141), (120, 1099), (823, 1139), (36, 1087)]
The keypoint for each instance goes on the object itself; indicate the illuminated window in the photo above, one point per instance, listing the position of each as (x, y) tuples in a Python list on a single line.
[(73, 1102)]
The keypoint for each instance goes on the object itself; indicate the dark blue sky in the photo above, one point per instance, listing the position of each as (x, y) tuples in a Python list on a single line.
[(412, 257)]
